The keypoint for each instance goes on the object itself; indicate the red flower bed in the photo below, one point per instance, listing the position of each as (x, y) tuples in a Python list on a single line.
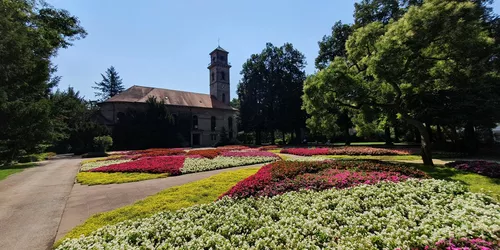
[(305, 151), (169, 164), (281, 177), (248, 154), (206, 153), (153, 153), (464, 244), (487, 168), (344, 151), (270, 147), (232, 147)]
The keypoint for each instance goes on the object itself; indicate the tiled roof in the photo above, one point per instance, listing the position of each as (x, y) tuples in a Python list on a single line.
[(171, 97)]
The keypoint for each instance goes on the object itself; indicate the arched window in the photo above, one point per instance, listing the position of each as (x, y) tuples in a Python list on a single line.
[(212, 76), (230, 123), (213, 123), (195, 122), (224, 98), (223, 75)]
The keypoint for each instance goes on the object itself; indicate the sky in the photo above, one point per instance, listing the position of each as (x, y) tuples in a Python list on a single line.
[(165, 43)]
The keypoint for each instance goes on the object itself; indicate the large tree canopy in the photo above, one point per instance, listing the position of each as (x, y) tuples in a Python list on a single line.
[(110, 85), (31, 34), (440, 47), (270, 90)]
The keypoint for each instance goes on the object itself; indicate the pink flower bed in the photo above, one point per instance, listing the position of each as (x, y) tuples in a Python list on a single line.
[(464, 244), (344, 151), (248, 154), (166, 164), (281, 177), (487, 168)]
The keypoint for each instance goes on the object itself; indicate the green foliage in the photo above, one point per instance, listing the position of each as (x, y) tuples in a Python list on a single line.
[(270, 90), (103, 143), (171, 199), (333, 45), (10, 169), (32, 33), (110, 85)]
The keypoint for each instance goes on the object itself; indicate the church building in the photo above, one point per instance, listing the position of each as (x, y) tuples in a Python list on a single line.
[(208, 113)]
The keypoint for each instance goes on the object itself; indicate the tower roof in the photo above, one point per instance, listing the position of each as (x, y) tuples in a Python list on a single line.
[(219, 48)]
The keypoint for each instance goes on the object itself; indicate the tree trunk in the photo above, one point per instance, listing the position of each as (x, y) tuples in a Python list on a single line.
[(258, 137), (470, 138), (396, 134), (387, 132), (273, 138), (417, 135), (429, 130), (425, 142), (440, 136), (347, 137)]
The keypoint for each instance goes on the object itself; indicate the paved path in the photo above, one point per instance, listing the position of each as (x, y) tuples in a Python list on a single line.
[(85, 201), (32, 202)]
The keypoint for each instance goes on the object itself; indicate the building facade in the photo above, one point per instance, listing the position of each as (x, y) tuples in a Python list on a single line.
[(208, 113)]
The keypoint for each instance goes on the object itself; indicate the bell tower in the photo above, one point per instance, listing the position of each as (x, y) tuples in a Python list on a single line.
[(219, 75)]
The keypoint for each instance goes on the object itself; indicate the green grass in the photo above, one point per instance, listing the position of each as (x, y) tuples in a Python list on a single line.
[(174, 198), (94, 178), (12, 169)]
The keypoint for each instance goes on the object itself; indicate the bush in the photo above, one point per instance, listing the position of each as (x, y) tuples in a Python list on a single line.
[(102, 143)]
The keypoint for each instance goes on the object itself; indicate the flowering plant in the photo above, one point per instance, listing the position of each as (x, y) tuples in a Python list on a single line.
[(487, 168), (192, 165), (406, 215), (206, 153), (344, 151), (167, 164), (269, 147), (249, 154)]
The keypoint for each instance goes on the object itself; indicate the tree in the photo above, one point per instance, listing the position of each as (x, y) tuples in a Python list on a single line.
[(333, 45), (270, 91), (438, 46), (369, 11), (110, 85), (32, 33)]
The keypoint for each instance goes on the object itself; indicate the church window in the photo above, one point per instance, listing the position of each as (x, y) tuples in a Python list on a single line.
[(213, 123), (230, 123), (212, 76), (213, 137), (195, 122), (224, 98), (223, 75)]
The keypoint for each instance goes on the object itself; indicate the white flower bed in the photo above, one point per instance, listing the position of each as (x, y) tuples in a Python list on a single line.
[(192, 165), (98, 164), (383, 216)]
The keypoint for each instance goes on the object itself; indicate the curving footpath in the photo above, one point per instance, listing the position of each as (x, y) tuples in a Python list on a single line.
[(85, 201), (32, 203)]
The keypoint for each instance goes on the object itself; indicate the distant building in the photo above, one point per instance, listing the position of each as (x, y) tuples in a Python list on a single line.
[(208, 113)]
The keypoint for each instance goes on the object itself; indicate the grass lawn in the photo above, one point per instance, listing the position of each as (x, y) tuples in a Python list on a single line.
[(12, 169), (198, 192), (95, 178)]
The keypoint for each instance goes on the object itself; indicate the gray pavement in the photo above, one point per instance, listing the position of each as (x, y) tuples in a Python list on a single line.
[(32, 203), (85, 201)]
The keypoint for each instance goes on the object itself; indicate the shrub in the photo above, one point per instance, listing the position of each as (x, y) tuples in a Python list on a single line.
[(487, 168), (103, 143), (167, 164), (406, 215), (206, 153)]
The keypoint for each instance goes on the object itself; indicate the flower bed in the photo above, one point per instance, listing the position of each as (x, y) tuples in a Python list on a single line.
[(154, 152), (192, 165), (344, 151), (269, 147), (97, 164), (169, 164), (406, 215), (232, 148), (281, 177), (249, 154), (464, 244), (206, 153), (487, 168)]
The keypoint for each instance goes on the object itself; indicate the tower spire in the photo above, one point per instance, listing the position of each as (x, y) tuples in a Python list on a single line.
[(218, 42)]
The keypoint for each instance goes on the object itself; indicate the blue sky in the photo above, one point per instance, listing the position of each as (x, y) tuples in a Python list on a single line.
[(165, 44)]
